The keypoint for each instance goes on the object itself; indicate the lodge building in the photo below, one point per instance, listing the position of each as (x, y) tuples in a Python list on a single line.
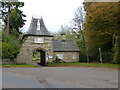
[(38, 38)]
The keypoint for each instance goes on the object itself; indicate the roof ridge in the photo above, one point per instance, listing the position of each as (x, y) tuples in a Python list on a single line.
[(70, 45)]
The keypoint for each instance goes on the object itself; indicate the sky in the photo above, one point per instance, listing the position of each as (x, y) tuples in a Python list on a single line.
[(54, 12)]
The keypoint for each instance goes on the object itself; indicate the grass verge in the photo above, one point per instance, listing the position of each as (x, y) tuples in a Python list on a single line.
[(105, 65)]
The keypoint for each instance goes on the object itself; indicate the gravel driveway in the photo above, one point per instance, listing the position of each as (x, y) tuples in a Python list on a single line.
[(64, 77)]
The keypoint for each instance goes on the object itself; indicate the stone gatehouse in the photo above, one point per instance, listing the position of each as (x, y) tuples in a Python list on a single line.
[(38, 38)]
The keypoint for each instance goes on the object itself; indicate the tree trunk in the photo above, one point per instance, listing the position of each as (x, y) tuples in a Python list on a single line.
[(8, 21)]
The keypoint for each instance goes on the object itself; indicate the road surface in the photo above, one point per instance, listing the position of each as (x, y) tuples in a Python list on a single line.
[(59, 77)]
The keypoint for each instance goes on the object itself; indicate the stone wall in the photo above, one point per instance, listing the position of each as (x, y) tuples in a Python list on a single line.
[(8, 61), (68, 56), (26, 51)]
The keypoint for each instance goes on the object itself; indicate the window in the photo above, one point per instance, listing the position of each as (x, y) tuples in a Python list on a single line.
[(60, 56), (50, 56), (39, 40), (74, 56)]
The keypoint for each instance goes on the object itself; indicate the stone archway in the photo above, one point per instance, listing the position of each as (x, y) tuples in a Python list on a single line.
[(42, 56)]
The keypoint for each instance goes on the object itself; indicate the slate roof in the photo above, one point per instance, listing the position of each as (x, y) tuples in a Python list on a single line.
[(68, 45), (33, 28)]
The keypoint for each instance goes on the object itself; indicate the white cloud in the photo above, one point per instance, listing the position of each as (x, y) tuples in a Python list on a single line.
[(55, 12)]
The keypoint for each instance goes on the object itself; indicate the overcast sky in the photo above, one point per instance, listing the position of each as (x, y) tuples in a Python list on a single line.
[(54, 12)]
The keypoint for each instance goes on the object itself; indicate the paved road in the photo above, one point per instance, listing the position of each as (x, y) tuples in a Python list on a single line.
[(60, 77)]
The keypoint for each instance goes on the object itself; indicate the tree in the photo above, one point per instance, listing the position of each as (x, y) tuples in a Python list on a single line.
[(100, 26), (12, 16), (77, 28), (67, 30), (13, 20), (77, 22), (10, 46)]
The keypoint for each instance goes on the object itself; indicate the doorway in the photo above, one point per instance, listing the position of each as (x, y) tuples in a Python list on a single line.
[(39, 57)]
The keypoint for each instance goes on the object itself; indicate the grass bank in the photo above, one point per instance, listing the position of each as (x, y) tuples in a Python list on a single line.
[(105, 65)]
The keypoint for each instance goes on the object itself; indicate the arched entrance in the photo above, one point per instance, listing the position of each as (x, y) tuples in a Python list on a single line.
[(40, 56)]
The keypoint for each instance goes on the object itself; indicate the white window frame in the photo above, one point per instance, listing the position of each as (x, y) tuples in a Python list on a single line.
[(39, 40), (60, 56)]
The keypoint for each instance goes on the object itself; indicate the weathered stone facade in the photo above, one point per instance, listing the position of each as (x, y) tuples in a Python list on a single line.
[(26, 51), (68, 56)]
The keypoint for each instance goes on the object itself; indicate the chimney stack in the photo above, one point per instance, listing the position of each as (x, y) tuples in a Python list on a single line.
[(63, 35)]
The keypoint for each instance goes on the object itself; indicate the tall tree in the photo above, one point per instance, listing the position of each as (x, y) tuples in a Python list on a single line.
[(12, 16), (77, 28), (100, 26)]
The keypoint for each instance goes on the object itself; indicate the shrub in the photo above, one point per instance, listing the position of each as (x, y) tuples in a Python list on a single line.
[(10, 46)]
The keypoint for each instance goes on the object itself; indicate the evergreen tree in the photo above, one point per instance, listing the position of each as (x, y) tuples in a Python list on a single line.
[(13, 16)]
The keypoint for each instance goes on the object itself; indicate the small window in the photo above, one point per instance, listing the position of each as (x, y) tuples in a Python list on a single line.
[(60, 56), (39, 40), (74, 56)]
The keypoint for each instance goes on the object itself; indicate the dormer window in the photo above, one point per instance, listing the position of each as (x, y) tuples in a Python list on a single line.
[(39, 40), (38, 25)]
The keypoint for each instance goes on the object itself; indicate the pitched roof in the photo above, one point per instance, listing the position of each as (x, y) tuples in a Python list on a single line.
[(42, 30), (67, 45)]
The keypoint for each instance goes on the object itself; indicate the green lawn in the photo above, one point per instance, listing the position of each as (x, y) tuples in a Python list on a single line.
[(107, 65)]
